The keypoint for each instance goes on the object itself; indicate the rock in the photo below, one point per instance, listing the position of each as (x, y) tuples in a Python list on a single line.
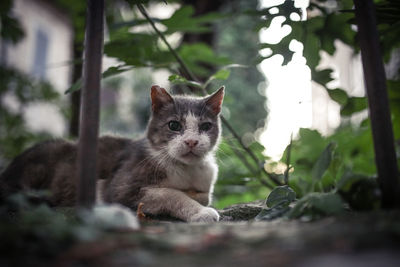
[(241, 212)]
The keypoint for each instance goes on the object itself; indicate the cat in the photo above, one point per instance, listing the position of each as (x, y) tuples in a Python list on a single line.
[(172, 170)]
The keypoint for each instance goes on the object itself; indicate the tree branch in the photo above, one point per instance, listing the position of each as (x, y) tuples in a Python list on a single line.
[(247, 164)]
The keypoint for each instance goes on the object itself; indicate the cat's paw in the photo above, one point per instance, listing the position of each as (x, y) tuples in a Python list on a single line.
[(206, 214)]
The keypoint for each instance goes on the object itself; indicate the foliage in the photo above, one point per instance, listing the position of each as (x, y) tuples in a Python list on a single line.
[(22, 90), (317, 204), (14, 134), (318, 33), (239, 178), (10, 28), (339, 170), (236, 38), (281, 196), (311, 206), (323, 187), (137, 48), (388, 20)]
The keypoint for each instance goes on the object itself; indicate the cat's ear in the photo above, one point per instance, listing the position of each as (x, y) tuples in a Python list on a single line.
[(159, 98), (214, 101)]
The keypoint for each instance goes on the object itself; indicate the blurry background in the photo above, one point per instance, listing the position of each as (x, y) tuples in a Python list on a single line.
[(291, 68)]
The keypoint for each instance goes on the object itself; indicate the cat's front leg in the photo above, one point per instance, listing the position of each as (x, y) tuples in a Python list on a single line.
[(177, 204)]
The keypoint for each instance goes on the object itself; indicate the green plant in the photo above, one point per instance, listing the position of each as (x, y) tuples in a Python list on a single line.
[(339, 170), (341, 175), (14, 134)]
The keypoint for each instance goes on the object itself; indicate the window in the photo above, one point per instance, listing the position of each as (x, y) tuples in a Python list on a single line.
[(40, 54)]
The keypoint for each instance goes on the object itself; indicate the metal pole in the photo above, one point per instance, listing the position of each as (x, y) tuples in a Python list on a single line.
[(90, 102), (374, 74)]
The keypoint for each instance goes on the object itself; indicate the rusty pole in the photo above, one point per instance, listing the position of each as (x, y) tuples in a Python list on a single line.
[(379, 112), (90, 104)]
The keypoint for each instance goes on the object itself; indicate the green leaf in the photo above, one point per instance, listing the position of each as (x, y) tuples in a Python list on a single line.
[(111, 71), (10, 27), (348, 179), (285, 9), (317, 204), (282, 48), (281, 195), (311, 42), (272, 213), (322, 76), (136, 49), (353, 105), (362, 194), (222, 74), (393, 87), (338, 95), (183, 21), (75, 87), (336, 26), (258, 149), (322, 163), (177, 79), (199, 55)]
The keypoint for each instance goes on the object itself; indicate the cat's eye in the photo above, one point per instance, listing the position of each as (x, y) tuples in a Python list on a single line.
[(205, 126), (174, 126)]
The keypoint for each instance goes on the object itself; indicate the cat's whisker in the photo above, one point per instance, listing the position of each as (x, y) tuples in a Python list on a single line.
[(145, 162)]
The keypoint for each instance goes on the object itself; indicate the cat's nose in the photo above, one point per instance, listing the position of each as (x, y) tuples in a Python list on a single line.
[(191, 143)]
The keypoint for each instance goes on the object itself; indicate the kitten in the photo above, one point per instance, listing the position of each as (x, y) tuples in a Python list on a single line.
[(172, 170)]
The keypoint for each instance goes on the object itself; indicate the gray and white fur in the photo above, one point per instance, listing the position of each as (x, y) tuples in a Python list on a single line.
[(171, 171)]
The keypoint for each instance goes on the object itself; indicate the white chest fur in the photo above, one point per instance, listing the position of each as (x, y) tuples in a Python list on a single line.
[(200, 176)]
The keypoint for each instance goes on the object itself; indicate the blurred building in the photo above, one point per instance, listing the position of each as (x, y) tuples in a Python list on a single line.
[(44, 53), (348, 75)]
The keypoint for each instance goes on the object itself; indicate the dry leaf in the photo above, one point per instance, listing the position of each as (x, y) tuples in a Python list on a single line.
[(139, 213)]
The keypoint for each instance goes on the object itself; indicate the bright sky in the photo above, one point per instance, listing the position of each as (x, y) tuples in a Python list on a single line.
[(289, 90)]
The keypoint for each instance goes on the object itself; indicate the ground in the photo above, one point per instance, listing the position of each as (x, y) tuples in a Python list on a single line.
[(354, 239)]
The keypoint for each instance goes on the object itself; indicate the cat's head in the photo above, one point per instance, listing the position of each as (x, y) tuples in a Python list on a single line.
[(184, 128)]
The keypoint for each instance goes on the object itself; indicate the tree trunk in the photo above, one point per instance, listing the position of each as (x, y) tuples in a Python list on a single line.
[(382, 131), (89, 125)]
